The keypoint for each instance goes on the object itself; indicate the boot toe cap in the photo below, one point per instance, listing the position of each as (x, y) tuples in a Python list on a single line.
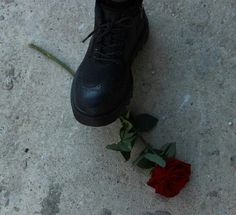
[(92, 101), (99, 93)]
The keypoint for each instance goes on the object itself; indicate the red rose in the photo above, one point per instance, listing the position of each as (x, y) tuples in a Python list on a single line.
[(170, 180)]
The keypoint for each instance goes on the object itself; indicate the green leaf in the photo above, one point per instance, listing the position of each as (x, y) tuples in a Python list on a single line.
[(142, 162), (145, 164), (128, 136), (158, 151), (144, 122), (156, 159), (121, 147), (113, 147), (126, 155), (123, 130), (126, 122), (169, 150), (126, 129), (125, 115)]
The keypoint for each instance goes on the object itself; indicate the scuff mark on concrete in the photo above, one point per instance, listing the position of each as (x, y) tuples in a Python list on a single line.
[(158, 213), (50, 204), (233, 161), (105, 211), (4, 196), (185, 101), (213, 193)]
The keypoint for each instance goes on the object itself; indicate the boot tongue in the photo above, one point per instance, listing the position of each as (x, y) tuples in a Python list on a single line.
[(109, 15)]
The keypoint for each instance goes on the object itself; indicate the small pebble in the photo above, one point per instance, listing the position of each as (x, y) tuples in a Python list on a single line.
[(9, 1), (158, 213), (230, 123), (10, 72), (8, 84), (213, 194), (105, 212), (16, 209), (81, 27), (233, 161)]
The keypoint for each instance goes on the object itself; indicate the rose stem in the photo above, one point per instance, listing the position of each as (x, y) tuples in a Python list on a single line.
[(147, 145), (53, 58)]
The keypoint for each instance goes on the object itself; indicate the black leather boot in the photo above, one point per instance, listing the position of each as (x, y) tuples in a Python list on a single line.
[(103, 84)]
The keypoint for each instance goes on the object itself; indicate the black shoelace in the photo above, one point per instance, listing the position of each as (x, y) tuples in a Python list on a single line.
[(109, 39)]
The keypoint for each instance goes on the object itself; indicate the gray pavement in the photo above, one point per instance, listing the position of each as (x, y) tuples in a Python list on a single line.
[(186, 76)]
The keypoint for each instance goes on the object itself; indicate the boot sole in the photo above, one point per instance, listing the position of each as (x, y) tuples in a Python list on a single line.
[(105, 119)]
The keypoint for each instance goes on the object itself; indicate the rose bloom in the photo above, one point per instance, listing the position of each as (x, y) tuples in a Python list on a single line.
[(170, 180)]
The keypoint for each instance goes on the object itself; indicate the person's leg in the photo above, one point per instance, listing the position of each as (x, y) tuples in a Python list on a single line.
[(121, 1), (103, 84), (118, 0)]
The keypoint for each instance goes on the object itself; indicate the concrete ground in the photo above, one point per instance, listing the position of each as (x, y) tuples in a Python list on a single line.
[(186, 76)]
